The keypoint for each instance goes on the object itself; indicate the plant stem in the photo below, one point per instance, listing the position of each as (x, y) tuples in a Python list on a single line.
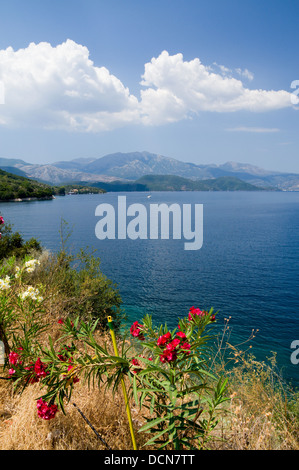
[(110, 323)]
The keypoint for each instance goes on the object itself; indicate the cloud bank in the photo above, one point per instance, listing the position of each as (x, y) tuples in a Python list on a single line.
[(61, 88)]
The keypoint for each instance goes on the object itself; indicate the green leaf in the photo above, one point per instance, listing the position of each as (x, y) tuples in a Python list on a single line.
[(157, 436), (152, 405), (135, 390), (151, 423)]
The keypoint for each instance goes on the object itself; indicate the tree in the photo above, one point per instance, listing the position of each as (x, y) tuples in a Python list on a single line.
[(13, 244)]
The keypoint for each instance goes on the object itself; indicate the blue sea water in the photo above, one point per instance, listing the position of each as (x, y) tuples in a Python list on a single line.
[(247, 268)]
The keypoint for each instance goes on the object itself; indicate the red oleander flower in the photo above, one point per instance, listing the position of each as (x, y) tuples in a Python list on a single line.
[(1, 220), (195, 311), (61, 322), (186, 347), (173, 347), (135, 331), (14, 358), (181, 335), (62, 356), (173, 344), (33, 377), (46, 411), (164, 339), (136, 365), (168, 355), (40, 369)]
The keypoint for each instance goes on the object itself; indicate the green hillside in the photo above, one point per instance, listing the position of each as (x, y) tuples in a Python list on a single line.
[(18, 187), (76, 188), (177, 183)]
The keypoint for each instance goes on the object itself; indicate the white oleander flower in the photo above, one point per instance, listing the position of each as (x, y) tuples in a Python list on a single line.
[(30, 269), (30, 265), (5, 283), (31, 293), (17, 272)]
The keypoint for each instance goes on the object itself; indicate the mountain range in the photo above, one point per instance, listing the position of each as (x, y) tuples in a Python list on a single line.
[(129, 167), (178, 183)]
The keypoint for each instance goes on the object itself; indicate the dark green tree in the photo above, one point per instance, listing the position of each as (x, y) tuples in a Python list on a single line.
[(13, 244)]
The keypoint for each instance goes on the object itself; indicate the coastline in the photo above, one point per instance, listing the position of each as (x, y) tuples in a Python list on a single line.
[(25, 199)]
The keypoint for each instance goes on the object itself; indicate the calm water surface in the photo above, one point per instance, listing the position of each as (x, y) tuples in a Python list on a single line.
[(247, 267)]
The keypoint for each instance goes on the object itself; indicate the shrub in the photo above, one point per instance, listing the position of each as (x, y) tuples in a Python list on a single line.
[(13, 244), (169, 378), (79, 288)]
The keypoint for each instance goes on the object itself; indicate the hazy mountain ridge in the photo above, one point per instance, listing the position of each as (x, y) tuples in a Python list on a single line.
[(178, 183), (134, 165), (54, 175)]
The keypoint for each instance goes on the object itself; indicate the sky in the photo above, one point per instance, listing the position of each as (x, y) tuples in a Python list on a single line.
[(199, 81)]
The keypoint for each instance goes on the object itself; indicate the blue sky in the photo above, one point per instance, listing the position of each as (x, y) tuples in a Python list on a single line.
[(204, 82)]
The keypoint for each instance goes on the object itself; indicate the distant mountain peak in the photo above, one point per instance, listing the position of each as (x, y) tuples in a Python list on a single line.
[(131, 166), (247, 167)]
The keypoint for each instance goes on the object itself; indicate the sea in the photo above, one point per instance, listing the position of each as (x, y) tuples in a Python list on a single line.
[(247, 268)]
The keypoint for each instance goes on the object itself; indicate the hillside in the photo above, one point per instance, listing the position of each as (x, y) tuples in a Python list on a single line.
[(79, 189), (18, 187), (177, 183)]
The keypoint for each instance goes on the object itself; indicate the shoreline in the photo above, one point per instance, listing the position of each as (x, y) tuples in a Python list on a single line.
[(46, 198)]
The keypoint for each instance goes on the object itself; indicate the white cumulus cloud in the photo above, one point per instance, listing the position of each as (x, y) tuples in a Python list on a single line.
[(61, 88), (177, 89)]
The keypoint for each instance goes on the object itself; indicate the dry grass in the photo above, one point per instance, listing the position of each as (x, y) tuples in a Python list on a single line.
[(22, 429), (262, 413)]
